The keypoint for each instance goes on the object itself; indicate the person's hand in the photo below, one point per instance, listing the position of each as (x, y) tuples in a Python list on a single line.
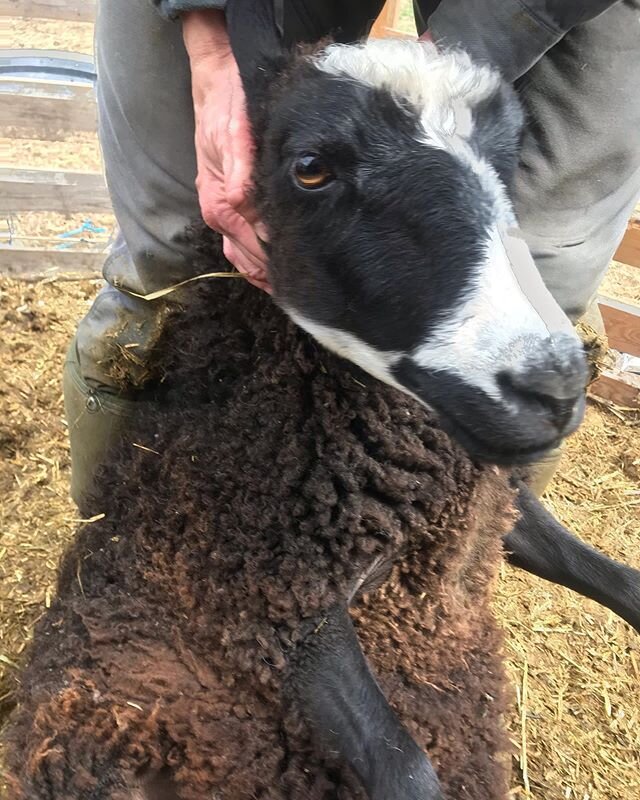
[(224, 146)]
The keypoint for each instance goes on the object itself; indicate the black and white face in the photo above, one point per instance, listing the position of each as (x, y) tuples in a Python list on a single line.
[(383, 173)]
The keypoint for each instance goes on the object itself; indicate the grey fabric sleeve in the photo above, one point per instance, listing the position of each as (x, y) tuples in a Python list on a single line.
[(512, 34), (171, 9)]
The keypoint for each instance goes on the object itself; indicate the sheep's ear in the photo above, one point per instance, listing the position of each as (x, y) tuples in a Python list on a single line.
[(497, 131), (332, 686), (257, 46)]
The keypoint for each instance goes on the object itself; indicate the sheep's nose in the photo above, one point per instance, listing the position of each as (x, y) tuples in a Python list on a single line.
[(553, 387), (546, 397)]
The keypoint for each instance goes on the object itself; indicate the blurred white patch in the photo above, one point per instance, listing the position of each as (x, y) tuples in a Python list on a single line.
[(531, 283)]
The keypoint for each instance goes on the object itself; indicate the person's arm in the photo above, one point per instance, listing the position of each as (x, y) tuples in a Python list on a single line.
[(223, 142), (511, 34)]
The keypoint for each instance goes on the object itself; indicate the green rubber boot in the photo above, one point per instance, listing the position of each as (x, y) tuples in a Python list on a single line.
[(540, 474), (95, 418), (590, 327)]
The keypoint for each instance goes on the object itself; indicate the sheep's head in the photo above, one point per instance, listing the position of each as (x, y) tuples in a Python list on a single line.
[(382, 176)]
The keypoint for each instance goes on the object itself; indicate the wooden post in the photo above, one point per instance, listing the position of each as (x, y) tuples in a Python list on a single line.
[(629, 250), (387, 22)]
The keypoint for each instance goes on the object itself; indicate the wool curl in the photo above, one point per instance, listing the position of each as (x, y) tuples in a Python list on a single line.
[(275, 481)]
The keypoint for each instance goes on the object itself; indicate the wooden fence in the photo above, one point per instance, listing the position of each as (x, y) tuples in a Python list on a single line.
[(387, 22), (66, 10), (51, 108), (48, 95)]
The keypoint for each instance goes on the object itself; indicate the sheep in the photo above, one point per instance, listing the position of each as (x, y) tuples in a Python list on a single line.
[(278, 485), (200, 644)]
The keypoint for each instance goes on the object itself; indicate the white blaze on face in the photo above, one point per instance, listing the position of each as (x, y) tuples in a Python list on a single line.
[(500, 323), (440, 85), (443, 87)]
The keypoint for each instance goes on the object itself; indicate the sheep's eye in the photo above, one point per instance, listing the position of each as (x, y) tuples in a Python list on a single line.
[(311, 172)]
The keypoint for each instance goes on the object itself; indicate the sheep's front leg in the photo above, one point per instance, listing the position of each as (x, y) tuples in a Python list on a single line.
[(541, 545), (331, 684)]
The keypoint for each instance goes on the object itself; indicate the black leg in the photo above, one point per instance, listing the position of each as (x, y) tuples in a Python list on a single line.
[(332, 685), (541, 545)]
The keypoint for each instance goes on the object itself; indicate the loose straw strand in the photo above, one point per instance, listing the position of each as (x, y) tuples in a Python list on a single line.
[(170, 289)]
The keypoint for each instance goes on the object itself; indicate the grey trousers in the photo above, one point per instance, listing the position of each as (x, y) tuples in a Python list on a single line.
[(577, 185)]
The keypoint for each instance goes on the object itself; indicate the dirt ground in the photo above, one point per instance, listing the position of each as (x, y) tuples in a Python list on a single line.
[(574, 667)]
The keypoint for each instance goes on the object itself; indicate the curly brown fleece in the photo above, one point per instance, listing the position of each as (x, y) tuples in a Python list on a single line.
[(275, 478)]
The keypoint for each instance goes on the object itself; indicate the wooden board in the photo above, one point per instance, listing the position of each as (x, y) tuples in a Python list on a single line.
[(68, 10), (629, 250), (43, 109), (23, 263), (45, 190), (622, 324), (387, 22), (619, 388), (392, 33)]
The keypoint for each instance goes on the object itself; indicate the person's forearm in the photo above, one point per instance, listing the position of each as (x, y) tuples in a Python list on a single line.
[(223, 142), (205, 35), (174, 8), (511, 34)]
